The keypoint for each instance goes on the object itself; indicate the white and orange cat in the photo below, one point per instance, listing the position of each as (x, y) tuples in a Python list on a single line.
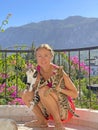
[(30, 78)]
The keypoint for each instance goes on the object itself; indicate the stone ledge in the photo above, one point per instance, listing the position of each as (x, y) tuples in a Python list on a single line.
[(21, 113)]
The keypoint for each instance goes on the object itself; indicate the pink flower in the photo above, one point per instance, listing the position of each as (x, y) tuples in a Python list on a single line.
[(3, 75), (16, 101), (2, 87), (13, 94), (82, 64), (12, 88), (75, 59)]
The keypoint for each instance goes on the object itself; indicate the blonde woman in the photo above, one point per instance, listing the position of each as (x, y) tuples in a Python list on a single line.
[(46, 105)]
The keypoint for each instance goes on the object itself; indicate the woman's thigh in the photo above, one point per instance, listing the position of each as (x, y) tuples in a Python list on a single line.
[(50, 97), (45, 91)]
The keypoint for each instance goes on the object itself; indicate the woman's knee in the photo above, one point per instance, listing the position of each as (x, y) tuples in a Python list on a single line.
[(42, 91)]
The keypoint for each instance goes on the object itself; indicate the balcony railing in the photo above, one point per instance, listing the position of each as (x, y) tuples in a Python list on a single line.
[(80, 64)]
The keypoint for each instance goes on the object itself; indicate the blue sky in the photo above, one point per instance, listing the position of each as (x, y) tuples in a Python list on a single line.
[(27, 11)]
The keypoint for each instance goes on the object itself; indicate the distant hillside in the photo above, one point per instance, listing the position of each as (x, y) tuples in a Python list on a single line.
[(72, 32)]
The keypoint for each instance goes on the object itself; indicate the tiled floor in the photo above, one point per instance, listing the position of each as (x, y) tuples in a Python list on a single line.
[(68, 127)]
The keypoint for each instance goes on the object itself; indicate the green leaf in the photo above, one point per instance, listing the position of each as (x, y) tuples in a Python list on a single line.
[(5, 22), (2, 30)]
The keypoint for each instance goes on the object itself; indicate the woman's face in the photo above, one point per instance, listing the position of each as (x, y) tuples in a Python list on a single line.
[(44, 57)]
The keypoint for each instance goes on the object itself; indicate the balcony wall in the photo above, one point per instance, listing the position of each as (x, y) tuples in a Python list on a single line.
[(20, 113)]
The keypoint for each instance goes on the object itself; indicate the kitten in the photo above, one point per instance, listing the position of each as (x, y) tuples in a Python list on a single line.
[(31, 78)]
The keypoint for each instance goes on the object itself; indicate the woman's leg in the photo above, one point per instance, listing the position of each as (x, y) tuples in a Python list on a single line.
[(50, 102), (27, 98)]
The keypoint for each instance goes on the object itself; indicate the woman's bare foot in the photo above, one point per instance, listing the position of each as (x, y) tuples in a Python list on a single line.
[(36, 123), (59, 126)]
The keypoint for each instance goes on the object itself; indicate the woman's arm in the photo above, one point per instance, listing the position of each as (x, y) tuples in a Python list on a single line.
[(70, 88)]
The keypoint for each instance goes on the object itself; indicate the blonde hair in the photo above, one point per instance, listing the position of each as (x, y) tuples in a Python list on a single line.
[(45, 46)]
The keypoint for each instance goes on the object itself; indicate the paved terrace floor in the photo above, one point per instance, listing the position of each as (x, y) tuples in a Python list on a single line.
[(88, 119), (51, 127)]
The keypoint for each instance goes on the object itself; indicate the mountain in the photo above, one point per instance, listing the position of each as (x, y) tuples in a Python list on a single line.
[(72, 32)]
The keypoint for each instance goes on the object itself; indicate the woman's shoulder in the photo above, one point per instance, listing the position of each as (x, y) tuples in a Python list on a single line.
[(57, 66)]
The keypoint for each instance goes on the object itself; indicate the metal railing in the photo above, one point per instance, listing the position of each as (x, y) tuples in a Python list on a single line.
[(80, 63)]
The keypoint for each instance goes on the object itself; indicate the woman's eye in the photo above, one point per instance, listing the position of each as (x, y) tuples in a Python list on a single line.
[(46, 55), (39, 56)]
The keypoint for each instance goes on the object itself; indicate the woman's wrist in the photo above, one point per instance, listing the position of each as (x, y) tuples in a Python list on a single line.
[(60, 90)]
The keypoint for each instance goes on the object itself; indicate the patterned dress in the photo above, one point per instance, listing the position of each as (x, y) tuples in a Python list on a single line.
[(65, 104)]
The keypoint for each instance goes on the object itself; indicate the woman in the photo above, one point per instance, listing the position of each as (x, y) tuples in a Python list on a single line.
[(47, 99)]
